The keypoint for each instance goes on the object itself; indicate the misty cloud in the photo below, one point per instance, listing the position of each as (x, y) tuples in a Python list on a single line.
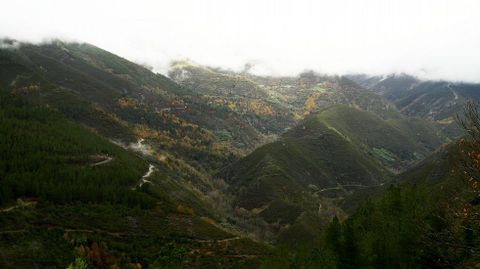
[(434, 39)]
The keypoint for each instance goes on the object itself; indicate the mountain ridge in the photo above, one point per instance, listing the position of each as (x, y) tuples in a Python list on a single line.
[(216, 166)]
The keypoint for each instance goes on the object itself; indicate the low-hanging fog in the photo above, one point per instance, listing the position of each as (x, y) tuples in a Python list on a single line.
[(437, 39)]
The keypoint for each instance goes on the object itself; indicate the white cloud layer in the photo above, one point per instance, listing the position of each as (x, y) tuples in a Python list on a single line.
[(437, 39)]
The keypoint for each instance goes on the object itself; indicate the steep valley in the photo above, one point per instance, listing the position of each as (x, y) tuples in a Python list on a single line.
[(105, 160)]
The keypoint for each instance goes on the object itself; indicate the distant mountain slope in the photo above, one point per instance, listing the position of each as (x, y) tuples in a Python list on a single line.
[(307, 94), (438, 101), (310, 92), (235, 93), (289, 98)]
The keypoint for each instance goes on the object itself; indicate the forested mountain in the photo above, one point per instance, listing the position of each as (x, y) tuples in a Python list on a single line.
[(67, 192), (332, 150), (437, 101), (107, 164), (130, 106), (93, 165), (429, 219), (300, 95), (315, 166)]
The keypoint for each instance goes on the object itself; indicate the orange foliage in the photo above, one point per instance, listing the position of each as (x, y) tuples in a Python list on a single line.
[(97, 254), (209, 220), (125, 102), (185, 210), (260, 108)]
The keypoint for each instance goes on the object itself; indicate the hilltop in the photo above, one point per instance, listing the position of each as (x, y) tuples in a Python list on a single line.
[(313, 167)]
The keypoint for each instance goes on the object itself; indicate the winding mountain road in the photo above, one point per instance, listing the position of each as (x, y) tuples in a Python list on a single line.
[(143, 180), (107, 160), (339, 187)]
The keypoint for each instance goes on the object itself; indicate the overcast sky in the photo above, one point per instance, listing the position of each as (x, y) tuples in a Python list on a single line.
[(433, 39)]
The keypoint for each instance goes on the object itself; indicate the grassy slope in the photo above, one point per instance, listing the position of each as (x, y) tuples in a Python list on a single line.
[(411, 224), (281, 178), (439, 171), (340, 145), (395, 143)]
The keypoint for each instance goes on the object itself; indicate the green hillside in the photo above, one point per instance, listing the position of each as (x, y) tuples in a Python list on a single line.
[(429, 219), (101, 97), (396, 143), (325, 164), (135, 108), (66, 192), (84, 81), (106, 163), (47, 157)]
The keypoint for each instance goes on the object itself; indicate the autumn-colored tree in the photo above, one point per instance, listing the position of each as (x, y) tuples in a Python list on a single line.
[(310, 103), (185, 210), (97, 255)]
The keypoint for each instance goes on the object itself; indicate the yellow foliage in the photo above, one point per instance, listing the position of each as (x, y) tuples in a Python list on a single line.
[(311, 102), (231, 105), (162, 158), (145, 132), (260, 108)]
